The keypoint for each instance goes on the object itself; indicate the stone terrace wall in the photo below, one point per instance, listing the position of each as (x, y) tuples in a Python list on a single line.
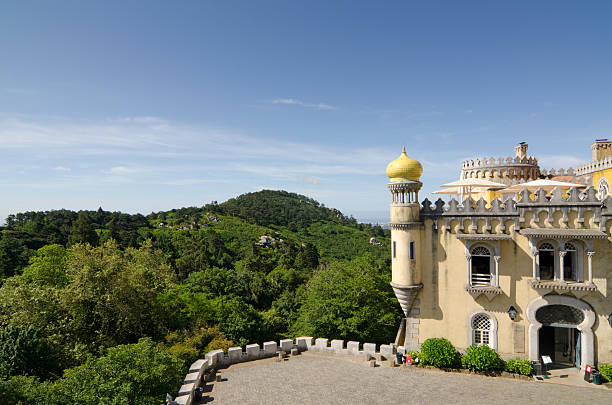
[(201, 371)]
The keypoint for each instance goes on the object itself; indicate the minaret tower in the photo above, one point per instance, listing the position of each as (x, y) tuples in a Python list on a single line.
[(406, 235)]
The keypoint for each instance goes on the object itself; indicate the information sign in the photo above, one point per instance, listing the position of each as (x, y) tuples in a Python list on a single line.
[(587, 373), (546, 360)]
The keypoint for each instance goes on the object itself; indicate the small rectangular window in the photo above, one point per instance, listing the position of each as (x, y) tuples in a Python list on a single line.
[(394, 249), (411, 250)]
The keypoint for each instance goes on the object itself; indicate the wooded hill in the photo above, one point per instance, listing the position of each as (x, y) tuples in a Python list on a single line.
[(84, 289)]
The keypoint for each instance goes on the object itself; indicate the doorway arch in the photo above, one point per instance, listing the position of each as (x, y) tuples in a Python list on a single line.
[(587, 355)]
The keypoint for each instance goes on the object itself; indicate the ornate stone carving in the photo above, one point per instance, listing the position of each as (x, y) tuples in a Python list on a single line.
[(406, 295)]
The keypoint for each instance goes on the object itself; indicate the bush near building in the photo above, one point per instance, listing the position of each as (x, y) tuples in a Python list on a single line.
[(606, 371), (481, 358), (518, 366), (441, 353)]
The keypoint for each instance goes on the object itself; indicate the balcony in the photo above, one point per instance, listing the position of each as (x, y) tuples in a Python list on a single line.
[(482, 284), (481, 280), (578, 289)]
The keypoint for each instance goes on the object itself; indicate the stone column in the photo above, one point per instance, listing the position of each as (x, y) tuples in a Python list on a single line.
[(468, 258), (562, 254), (497, 259), (536, 259), (590, 255)]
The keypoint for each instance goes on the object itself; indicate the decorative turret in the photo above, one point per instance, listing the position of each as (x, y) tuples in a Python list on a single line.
[(509, 170), (602, 148), (406, 229)]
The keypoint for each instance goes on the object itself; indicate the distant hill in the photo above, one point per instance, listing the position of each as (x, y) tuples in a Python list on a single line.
[(295, 217), (272, 207)]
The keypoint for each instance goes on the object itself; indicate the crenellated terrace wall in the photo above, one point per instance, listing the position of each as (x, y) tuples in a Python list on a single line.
[(202, 370), (556, 201)]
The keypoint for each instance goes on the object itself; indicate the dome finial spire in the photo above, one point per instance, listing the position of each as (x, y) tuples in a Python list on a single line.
[(404, 169)]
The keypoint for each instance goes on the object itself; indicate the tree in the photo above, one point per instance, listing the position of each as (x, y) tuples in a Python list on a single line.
[(48, 266), (82, 230), (132, 374), (351, 301), (24, 352), (112, 295), (308, 257), (13, 255)]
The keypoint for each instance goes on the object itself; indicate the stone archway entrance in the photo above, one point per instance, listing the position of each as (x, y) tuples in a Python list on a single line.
[(561, 327)]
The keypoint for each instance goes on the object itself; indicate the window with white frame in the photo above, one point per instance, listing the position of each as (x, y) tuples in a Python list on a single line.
[(481, 266), (481, 330), (547, 261), (570, 262)]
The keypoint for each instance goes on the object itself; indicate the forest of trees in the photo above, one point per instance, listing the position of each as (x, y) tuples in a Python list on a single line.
[(101, 307)]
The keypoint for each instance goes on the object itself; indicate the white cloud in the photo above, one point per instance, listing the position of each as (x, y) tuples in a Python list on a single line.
[(559, 161), (61, 169), (293, 101), (123, 170), (310, 180)]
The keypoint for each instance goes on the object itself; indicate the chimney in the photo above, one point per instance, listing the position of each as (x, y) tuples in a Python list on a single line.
[(521, 150)]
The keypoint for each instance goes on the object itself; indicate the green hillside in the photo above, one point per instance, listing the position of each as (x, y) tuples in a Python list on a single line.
[(82, 288)]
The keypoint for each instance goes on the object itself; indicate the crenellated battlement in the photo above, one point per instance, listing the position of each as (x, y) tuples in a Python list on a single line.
[(204, 370), (594, 166), (540, 201), (482, 163), (558, 172)]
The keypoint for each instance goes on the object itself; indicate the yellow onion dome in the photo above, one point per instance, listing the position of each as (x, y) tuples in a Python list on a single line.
[(404, 169)]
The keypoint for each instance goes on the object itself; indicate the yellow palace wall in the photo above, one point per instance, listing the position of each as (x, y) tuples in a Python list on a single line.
[(597, 176), (445, 306)]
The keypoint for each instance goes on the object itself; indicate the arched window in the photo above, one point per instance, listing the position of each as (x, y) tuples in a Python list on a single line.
[(570, 262), (481, 266), (481, 330), (547, 261), (603, 189)]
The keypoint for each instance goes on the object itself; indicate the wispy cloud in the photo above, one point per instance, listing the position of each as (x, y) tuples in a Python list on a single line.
[(293, 101), (61, 169), (559, 161), (123, 170)]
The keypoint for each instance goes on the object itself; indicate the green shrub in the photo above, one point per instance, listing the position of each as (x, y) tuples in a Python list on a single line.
[(440, 353), (481, 358), (518, 366), (606, 371)]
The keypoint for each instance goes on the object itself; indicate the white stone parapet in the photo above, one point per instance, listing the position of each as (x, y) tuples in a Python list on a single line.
[(234, 354), (252, 351), (337, 346), (352, 347), (216, 359), (303, 343), (286, 345), (270, 348), (369, 348), (321, 344), (594, 166)]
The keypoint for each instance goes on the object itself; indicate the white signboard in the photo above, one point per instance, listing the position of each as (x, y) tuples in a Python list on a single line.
[(546, 360)]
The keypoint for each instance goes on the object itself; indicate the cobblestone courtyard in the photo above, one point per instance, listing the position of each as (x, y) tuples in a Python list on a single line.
[(314, 378)]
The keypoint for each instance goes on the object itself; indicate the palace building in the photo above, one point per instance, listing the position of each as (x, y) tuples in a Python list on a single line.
[(530, 275)]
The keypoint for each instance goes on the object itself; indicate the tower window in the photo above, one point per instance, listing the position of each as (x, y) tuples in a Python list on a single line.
[(394, 251), (481, 266), (547, 261), (570, 262), (411, 250)]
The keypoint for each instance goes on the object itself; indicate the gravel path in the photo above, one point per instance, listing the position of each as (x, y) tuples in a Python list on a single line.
[(315, 378)]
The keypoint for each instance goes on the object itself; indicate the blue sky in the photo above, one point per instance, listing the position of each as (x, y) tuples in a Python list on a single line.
[(145, 106)]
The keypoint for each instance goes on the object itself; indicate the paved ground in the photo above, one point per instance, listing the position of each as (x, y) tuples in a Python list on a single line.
[(315, 378)]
